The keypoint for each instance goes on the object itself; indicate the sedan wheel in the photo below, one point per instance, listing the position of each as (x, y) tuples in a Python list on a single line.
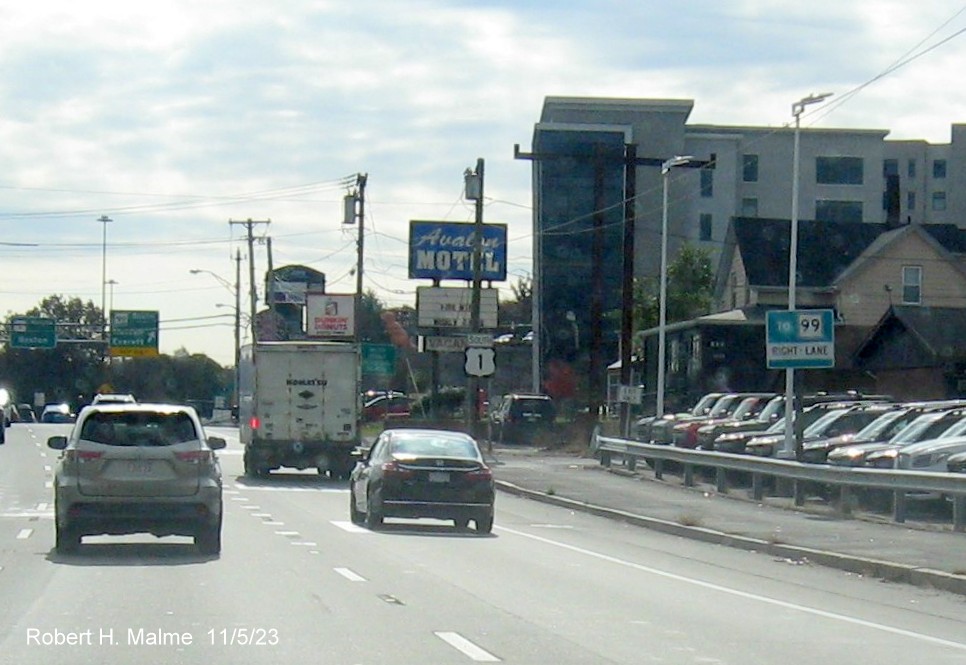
[(484, 524), (356, 515), (66, 539), (374, 516)]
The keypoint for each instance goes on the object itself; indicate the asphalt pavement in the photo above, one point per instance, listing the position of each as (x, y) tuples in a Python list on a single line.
[(925, 554)]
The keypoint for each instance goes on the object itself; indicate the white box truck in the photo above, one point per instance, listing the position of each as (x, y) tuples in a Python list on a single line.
[(299, 406)]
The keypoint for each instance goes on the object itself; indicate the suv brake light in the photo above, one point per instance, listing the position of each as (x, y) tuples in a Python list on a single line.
[(194, 456)]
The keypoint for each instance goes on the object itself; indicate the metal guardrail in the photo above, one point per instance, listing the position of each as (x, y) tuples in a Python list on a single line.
[(800, 474)]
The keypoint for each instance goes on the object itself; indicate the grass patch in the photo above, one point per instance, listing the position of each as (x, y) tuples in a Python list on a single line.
[(550, 491), (689, 520)]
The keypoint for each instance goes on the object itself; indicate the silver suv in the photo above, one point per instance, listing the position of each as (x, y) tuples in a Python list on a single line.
[(138, 468)]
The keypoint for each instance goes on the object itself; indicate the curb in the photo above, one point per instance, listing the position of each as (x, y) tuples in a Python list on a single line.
[(884, 570)]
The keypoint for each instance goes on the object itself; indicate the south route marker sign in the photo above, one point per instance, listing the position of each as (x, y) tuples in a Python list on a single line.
[(134, 333), (800, 339)]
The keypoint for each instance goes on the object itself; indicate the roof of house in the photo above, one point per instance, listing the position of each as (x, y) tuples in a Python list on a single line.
[(826, 250), (936, 331)]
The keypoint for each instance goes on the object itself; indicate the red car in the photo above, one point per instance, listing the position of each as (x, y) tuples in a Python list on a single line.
[(392, 407)]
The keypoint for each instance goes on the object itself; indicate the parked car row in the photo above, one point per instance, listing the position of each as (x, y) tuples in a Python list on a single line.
[(849, 429)]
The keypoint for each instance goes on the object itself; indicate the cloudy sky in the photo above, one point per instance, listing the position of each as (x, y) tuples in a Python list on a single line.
[(174, 117)]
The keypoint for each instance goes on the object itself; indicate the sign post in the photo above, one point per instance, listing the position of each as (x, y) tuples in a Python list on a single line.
[(800, 339)]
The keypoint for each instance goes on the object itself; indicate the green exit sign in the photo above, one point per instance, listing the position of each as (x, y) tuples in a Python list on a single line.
[(33, 332), (134, 333), (379, 359)]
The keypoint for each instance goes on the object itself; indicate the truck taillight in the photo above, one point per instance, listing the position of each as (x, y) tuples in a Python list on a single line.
[(254, 423)]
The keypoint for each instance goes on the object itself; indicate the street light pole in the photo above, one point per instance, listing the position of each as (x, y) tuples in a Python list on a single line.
[(104, 220), (662, 320), (797, 109)]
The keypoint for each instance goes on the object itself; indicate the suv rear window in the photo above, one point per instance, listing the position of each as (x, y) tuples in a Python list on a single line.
[(141, 428), (530, 407)]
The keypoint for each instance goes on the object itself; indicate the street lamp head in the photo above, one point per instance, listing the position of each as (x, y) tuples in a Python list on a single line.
[(799, 106), (677, 160)]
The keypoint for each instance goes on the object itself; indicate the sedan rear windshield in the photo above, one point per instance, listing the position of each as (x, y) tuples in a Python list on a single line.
[(431, 446), (142, 428)]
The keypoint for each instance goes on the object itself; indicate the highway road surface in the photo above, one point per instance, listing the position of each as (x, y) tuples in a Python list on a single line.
[(297, 583)]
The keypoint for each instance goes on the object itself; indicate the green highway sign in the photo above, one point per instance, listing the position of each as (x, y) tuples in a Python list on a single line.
[(379, 359), (33, 332), (134, 333)]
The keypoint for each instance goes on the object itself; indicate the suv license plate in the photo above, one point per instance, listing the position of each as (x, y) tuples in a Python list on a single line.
[(139, 468), (438, 477)]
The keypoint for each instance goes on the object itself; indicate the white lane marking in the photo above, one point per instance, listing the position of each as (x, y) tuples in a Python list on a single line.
[(287, 534), (304, 543), (741, 594), (42, 506), (274, 523), (29, 515), (48, 468), (262, 515), (466, 647), (280, 488), (350, 527), (251, 507), (49, 484), (350, 575), (239, 498), (24, 534)]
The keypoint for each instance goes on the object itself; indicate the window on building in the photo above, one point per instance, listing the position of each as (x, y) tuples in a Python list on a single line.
[(939, 200), (912, 168), (707, 183), (939, 168), (911, 285), (838, 170), (890, 167), (749, 207), (838, 211), (910, 200), (705, 222), (749, 168)]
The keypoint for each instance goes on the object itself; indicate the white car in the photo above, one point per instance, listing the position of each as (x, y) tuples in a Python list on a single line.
[(138, 468), (930, 455), (114, 398)]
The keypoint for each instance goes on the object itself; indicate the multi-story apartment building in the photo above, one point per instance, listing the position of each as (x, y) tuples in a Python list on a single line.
[(580, 171)]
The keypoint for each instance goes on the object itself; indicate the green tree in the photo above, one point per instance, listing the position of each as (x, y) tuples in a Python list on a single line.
[(518, 311), (690, 283), (70, 372)]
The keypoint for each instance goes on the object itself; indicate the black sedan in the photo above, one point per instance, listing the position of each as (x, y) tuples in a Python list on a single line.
[(415, 473)]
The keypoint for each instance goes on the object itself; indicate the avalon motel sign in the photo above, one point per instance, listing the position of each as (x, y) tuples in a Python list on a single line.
[(444, 250)]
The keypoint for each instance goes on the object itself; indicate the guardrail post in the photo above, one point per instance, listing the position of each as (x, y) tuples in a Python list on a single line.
[(757, 487), (631, 462), (845, 500), (899, 506), (605, 458), (659, 469), (798, 490), (959, 512), (689, 475), (721, 480)]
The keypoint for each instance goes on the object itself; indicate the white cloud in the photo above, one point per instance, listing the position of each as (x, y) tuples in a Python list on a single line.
[(165, 115)]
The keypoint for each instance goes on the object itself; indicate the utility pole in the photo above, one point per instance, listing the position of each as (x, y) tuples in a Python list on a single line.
[(249, 224), (355, 213), (236, 395), (473, 182), (630, 161)]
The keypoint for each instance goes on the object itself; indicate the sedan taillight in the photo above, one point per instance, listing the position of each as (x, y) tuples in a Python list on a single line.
[(393, 470), (483, 474)]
